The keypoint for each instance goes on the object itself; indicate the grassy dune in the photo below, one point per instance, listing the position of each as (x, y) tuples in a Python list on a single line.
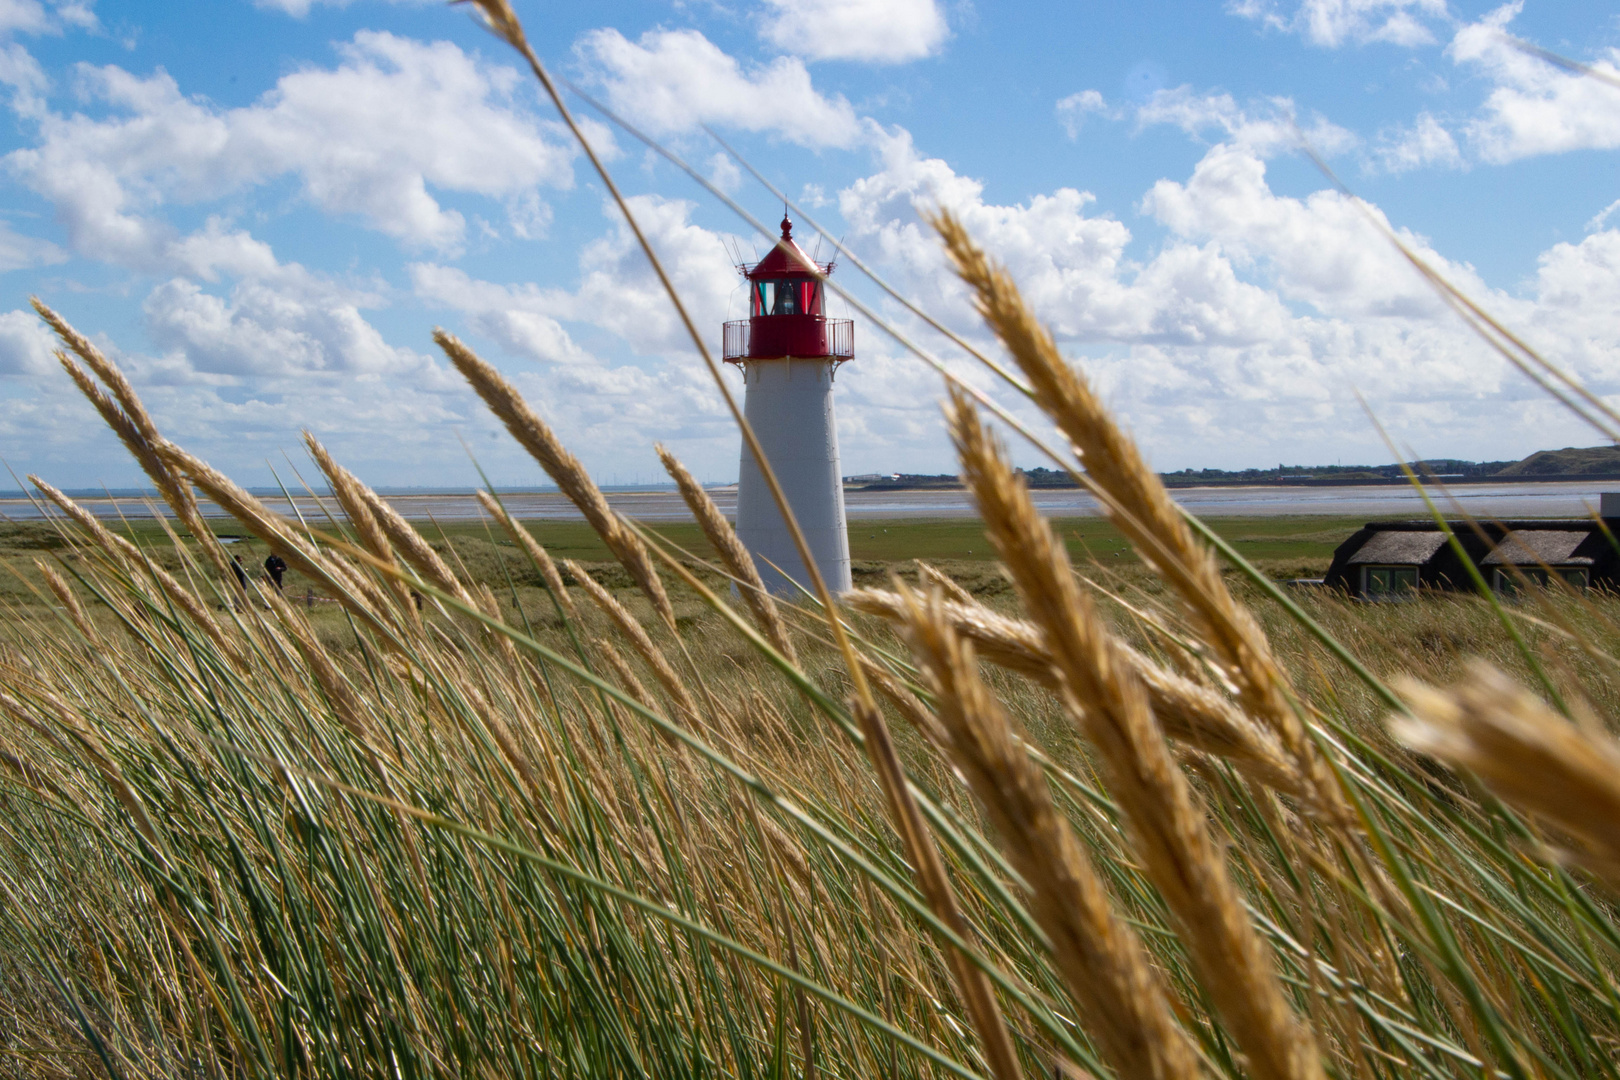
[(521, 832)]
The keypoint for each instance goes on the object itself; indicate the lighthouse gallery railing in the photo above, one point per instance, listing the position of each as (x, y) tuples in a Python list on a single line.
[(830, 337)]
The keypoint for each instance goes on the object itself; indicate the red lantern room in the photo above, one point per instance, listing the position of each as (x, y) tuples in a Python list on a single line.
[(786, 305)]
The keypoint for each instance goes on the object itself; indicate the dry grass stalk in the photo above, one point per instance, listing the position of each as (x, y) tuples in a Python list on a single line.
[(32, 777), (413, 548), (69, 601), (632, 685), (105, 369), (906, 703), (366, 582), (626, 674), (736, 557), (1145, 512), (1526, 753), (788, 853), (1121, 999), (491, 607), (515, 757), (977, 994), (57, 713), (350, 709), (1011, 643), (449, 672), (346, 703), (127, 431), (1188, 712), (501, 19), (562, 466), (636, 634), (930, 578), (533, 548), (131, 556), (1168, 827), (351, 496), (134, 426), (349, 585)]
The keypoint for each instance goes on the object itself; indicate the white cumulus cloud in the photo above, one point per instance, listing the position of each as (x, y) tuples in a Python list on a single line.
[(514, 317), (1269, 126), (1073, 110), (1325, 249), (18, 252), (891, 32), (372, 137), (33, 17), (617, 292), (1073, 267), (1534, 108), (674, 81), (25, 344), (1332, 23), (275, 320), (21, 73), (300, 8), (1423, 144), (268, 331), (1249, 326), (1601, 218)]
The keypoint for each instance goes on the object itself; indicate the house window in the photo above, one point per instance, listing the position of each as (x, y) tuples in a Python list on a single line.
[(1510, 584), (1388, 582)]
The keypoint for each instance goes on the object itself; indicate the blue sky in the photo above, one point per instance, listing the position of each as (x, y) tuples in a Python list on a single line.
[(263, 209)]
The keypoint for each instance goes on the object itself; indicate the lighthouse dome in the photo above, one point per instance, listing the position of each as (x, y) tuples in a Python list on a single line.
[(787, 259)]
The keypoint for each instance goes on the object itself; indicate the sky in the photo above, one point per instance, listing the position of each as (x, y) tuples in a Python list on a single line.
[(262, 209)]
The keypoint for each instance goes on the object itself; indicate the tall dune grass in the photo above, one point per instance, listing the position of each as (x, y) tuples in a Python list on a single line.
[(1105, 827)]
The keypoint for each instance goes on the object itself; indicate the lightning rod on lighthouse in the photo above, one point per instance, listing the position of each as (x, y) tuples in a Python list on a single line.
[(789, 352)]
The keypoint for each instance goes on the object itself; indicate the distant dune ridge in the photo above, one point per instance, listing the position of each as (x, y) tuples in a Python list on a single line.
[(1570, 461)]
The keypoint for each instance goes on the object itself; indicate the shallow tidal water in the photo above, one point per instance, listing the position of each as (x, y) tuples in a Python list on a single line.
[(1570, 498)]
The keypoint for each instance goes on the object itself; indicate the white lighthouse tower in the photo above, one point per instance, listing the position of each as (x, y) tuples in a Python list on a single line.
[(789, 352)]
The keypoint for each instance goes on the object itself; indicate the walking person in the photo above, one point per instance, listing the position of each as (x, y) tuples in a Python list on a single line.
[(275, 566)]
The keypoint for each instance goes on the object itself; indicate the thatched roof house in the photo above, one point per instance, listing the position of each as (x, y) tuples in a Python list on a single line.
[(1385, 559)]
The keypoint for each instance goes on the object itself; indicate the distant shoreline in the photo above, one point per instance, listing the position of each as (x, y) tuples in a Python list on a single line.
[(1175, 482), (1172, 481), (1507, 498)]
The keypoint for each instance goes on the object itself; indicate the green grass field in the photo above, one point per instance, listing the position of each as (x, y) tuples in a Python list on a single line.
[(330, 903), (1304, 538), (1303, 542), (1290, 547)]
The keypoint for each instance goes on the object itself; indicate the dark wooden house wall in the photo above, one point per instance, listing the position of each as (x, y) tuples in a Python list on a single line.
[(1446, 570)]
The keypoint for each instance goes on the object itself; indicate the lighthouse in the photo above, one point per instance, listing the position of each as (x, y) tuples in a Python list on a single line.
[(789, 352)]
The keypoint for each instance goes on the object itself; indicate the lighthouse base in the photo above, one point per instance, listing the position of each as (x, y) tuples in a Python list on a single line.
[(789, 404)]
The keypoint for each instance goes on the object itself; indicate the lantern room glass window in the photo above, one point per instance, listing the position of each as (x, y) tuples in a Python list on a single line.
[(793, 296)]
